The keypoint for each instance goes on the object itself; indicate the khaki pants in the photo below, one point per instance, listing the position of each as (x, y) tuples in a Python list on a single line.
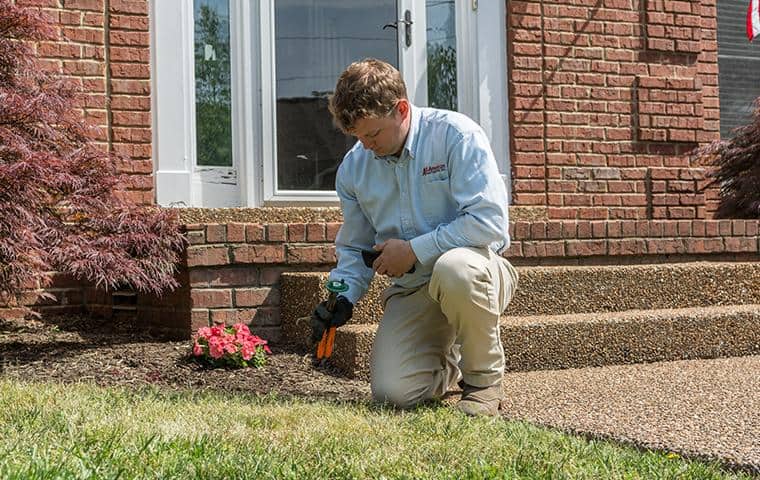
[(433, 335)]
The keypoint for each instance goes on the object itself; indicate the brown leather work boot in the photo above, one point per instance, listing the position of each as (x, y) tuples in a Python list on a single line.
[(480, 401)]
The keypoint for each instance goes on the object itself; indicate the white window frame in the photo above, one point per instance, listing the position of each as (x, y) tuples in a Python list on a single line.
[(492, 93), (171, 47), (179, 181), (268, 101), (482, 78), (481, 85)]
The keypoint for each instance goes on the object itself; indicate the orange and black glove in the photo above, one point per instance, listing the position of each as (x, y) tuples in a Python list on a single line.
[(322, 319)]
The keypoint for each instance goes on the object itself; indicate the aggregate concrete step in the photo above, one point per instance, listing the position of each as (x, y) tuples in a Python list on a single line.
[(540, 342), (559, 290), (697, 408)]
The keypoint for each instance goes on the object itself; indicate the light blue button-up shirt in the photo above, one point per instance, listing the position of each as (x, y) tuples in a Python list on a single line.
[(443, 192)]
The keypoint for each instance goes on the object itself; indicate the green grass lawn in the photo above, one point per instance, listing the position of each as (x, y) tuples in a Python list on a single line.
[(84, 431)]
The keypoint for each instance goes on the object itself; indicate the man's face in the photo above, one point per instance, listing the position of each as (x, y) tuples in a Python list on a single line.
[(383, 135)]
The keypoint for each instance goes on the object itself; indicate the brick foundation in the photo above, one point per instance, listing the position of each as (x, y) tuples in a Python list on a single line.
[(232, 270)]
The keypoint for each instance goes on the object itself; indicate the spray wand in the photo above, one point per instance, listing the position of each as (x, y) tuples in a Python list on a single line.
[(325, 346)]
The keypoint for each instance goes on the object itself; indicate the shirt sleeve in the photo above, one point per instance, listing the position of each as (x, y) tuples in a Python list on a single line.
[(480, 196), (355, 234)]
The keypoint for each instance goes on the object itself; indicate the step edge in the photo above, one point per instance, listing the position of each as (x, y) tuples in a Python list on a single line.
[(625, 316), (622, 316)]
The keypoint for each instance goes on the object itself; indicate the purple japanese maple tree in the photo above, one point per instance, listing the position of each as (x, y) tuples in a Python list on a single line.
[(62, 202), (735, 169)]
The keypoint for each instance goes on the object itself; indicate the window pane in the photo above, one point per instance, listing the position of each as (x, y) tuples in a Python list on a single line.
[(738, 66), (314, 41), (441, 54), (213, 112)]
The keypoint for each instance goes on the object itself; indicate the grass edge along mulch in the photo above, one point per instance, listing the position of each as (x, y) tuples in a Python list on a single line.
[(51, 430)]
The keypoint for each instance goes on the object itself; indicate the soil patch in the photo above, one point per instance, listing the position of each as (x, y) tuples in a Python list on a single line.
[(78, 348)]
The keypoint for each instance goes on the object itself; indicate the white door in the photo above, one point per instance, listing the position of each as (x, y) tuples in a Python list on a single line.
[(450, 53), (312, 42)]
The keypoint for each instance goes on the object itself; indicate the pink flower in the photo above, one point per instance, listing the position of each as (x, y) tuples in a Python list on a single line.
[(241, 328), (258, 341), (247, 350), (215, 348), (230, 345)]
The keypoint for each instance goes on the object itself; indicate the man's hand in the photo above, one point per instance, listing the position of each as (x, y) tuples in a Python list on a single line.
[(396, 259), (322, 319)]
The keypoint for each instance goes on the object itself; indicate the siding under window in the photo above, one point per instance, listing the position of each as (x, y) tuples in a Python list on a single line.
[(738, 65)]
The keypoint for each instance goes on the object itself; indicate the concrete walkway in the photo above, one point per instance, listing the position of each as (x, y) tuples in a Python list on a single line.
[(704, 408)]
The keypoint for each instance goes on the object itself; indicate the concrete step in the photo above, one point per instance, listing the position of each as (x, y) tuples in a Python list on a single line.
[(564, 290), (540, 342)]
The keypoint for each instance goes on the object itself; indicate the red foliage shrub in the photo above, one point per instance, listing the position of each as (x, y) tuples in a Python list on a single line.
[(62, 202), (736, 169)]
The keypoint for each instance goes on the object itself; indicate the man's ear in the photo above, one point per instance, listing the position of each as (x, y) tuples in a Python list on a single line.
[(403, 108)]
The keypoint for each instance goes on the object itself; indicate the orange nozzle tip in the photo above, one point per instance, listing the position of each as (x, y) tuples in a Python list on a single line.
[(330, 342), (322, 346)]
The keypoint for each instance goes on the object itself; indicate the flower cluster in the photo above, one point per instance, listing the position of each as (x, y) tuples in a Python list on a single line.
[(233, 346)]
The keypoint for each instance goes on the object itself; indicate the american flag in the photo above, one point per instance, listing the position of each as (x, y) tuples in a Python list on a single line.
[(753, 19)]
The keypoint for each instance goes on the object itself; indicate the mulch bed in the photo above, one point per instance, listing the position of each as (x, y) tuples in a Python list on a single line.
[(81, 349)]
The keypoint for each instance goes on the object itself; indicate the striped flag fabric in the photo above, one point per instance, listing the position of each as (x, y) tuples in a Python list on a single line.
[(753, 19)]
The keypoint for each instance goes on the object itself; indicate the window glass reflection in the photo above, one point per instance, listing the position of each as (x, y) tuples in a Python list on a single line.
[(213, 112), (738, 67), (441, 54), (314, 41)]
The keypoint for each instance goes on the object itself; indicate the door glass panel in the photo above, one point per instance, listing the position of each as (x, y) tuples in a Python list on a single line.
[(314, 41), (441, 54), (213, 112), (738, 67)]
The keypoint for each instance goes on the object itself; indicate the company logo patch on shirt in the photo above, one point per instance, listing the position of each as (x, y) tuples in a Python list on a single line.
[(433, 169)]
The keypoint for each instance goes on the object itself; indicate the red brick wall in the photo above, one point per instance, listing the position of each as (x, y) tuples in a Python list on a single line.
[(230, 272), (63, 295), (104, 48), (607, 99), (234, 269)]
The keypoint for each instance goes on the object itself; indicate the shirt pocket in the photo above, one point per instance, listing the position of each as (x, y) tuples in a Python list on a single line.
[(436, 198)]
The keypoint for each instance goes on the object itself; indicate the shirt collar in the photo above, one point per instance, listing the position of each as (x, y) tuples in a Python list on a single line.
[(414, 127)]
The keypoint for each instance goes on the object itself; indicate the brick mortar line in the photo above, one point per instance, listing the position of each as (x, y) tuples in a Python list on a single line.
[(107, 60), (544, 85)]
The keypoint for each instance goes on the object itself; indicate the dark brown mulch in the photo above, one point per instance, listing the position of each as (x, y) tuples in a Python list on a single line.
[(81, 349)]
